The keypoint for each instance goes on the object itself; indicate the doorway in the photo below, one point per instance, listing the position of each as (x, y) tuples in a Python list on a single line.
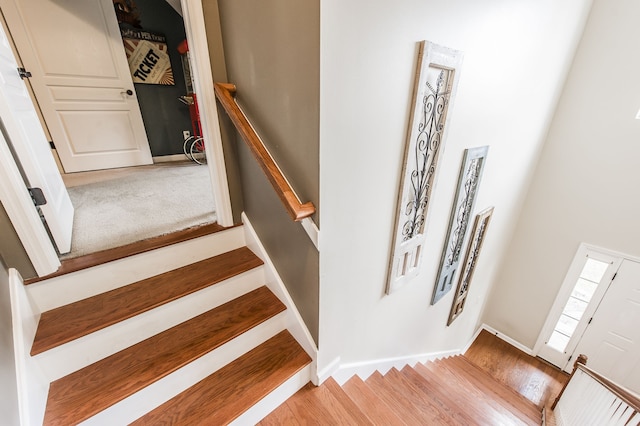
[(596, 313), (195, 26)]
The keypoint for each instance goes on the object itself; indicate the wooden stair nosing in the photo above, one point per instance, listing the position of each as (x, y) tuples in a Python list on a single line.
[(375, 408), (471, 401), (226, 394), (104, 256), (69, 322), (86, 392), (505, 394)]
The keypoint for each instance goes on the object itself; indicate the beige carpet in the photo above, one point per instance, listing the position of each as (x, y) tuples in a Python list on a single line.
[(140, 203)]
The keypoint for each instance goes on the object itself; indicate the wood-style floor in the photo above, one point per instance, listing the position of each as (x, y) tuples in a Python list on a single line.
[(505, 387), (533, 378)]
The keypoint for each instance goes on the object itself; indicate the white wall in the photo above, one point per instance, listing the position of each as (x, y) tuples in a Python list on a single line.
[(517, 54), (9, 387), (586, 185)]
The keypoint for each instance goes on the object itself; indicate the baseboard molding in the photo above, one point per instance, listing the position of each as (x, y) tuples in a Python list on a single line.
[(32, 385), (295, 323), (326, 372), (169, 158), (367, 368), (506, 338)]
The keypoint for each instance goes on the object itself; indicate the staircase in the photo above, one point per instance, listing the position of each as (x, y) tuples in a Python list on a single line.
[(184, 334), (450, 391)]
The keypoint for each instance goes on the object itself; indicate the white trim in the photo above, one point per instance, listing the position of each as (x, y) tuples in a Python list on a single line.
[(508, 339), (473, 339), (274, 399), (169, 158), (326, 372), (32, 385), (23, 215), (312, 231), (295, 323), (367, 368), (203, 83)]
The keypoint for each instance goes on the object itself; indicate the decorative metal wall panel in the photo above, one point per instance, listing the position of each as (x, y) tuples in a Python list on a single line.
[(468, 182), (435, 84), (469, 264)]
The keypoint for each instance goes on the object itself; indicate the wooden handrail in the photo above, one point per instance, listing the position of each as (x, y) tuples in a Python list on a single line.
[(581, 363), (630, 399), (225, 94)]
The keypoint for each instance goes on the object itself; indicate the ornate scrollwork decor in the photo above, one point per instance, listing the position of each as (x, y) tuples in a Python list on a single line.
[(470, 174), (434, 91), (469, 265)]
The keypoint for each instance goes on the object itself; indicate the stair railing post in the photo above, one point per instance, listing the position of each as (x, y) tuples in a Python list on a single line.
[(582, 359)]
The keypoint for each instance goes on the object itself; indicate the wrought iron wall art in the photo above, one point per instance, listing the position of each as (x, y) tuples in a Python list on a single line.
[(468, 182), (469, 264), (435, 86)]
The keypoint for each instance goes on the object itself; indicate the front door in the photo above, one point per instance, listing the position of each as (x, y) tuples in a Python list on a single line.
[(612, 340), (25, 134), (81, 80)]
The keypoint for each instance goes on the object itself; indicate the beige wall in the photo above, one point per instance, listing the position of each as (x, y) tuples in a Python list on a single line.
[(272, 55), (517, 54), (11, 249), (586, 184)]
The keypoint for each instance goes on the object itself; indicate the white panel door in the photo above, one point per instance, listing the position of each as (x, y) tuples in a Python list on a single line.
[(612, 340), (81, 80), (31, 147)]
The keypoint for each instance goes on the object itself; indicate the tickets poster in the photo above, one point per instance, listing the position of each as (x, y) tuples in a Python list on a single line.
[(148, 58)]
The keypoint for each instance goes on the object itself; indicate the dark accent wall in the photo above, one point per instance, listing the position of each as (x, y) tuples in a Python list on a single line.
[(11, 250), (164, 116), (272, 54)]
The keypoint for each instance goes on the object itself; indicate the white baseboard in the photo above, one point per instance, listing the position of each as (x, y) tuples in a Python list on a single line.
[(367, 368), (507, 339), (295, 323), (32, 385), (169, 158), (326, 372)]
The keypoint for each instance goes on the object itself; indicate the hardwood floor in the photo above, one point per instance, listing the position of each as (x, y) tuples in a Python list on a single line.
[(531, 377), (493, 383)]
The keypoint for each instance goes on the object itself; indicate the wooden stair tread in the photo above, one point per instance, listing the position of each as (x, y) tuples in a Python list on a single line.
[(401, 399), (90, 390), (227, 393), (484, 381), (474, 405), (451, 401), (421, 401), (104, 256), (324, 404), (69, 322), (375, 408)]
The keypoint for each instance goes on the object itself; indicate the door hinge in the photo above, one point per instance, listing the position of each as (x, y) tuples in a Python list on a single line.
[(614, 276), (23, 73), (590, 319), (37, 196), (570, 358), (52, 145)]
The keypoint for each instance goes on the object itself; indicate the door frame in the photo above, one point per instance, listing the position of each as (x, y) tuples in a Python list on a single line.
[(563, 295), (193, 16), (17, 201)]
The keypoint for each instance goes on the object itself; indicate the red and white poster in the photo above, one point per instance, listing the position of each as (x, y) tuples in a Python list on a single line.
[(147, 56)]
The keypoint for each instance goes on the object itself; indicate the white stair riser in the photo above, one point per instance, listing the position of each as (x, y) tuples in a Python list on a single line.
[(72, 356), (161, 391), (69, 288), (267, 404)]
